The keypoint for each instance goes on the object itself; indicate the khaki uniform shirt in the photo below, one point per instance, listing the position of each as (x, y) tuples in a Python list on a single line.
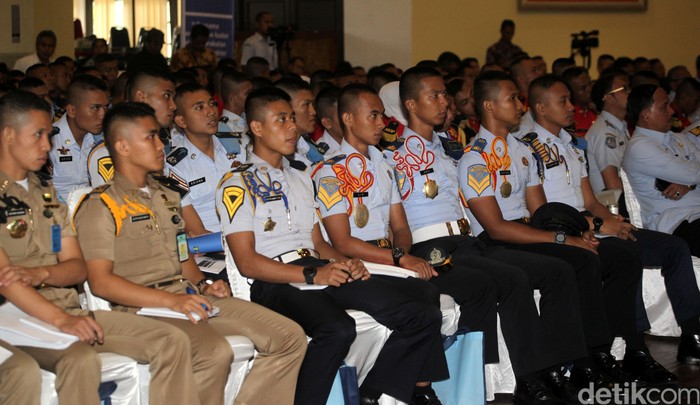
[(34, 246), (134, 229)]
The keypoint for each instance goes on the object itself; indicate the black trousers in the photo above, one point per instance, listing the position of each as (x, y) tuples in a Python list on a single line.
[(587, 267), (412, 353), (673, 256), (485, 280), (690, 232)]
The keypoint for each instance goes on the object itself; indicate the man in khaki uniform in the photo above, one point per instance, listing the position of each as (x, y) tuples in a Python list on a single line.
[(133, 234), (38, 248), (19, 378)]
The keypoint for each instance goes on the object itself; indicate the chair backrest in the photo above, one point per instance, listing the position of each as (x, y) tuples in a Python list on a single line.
[(239, 284), (119, 38), (633, 208)]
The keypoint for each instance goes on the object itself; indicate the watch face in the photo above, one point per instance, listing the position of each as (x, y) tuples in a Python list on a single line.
[(560, 237)]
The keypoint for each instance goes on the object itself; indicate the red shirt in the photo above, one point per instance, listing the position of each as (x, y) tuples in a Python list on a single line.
[(583, 119)]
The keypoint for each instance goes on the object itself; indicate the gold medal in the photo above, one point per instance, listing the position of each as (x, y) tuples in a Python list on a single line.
[(18, 228), (361, 215), (269, 225), (506, 189), (430, 188)]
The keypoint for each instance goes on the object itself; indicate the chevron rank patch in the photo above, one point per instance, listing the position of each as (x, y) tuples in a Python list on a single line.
[(232, 199), (105, 168), (695, 131), (479, 178), (329, 192)]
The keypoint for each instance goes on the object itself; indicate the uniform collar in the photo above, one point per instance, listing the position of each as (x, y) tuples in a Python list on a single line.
[(619, 124), (65, 136), (258, 161), (232, 116), (429, 144), (329, 140), (123, 183), (374, 154), (194, 151), (7, 182), (563, 137)]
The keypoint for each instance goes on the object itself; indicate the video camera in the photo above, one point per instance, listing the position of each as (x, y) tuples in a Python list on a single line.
[(584, 40), (282, 33)]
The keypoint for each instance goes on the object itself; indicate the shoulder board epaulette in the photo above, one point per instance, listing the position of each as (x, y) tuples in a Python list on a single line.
[(229, 134), (608, 123), (335, 159), (579, 143), (322, 147), (242, 168), (55, 131), (695, 131), (528, 138), (391, 128), (176, 156), (297, 164), (171, 184), (478, 145), (396, 144), (571, 131), (100, 189)]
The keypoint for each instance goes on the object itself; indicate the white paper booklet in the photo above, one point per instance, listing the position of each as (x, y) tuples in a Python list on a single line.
[(19, 329), (169, 313)]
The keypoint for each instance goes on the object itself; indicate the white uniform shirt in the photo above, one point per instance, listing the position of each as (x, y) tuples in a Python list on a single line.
[(334, 192), (236, 122), (257, 45), (201, 174), (247, 200), (69, 160), (607, 140), (562, 181), (670, 157), (25, 62), (417, 155), (482, 173), (693, 132), (333, 145)]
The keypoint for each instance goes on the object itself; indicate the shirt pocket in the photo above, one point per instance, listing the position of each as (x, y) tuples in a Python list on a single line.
[(270, 219)]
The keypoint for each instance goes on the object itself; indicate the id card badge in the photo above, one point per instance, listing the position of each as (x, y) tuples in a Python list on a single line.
[(55, 238), (182, 246)]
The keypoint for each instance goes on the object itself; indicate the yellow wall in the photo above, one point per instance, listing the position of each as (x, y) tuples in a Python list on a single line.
[(36, 15), (668, 29)]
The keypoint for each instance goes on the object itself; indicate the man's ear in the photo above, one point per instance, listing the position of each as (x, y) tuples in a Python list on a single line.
[(256, 128), (121, 146), (326, 123), (140, 96), (540, 108), (70, 110), (8, 135), (180, 121), (487, 106), (347, 119), (410, 105)]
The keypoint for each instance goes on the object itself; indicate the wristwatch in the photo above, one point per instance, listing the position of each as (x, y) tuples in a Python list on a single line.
[(597, 223), (203, 282), (309, 274), (560, 237), (397, 254)]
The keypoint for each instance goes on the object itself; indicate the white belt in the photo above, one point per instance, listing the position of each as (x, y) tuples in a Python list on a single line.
[(452, 228), (296, 255)]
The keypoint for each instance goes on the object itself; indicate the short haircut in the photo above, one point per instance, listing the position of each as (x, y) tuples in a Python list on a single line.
[(409, 85), (454, 87), (486, 87), (255, 66), (45, 34), (34, 67), (199, 30), (572, 73), (428, 63), (622, 62), (642, 77), (139, 80), (188, 88), (514, 65), (154, 35), (84, 83), (230, 82), (105, 58), (260, 15), (560, 65), (321, 75), (96, 40), (120, 113), (640, 98), (63, 59), (688, 86), (378, 78), (258, 100), (672, 73), (507, 23), (447, 58), (606, 56), (30, 83), (466, 62), (292, 86), (603, 86), (347, 101), (539, 87), (327, 102), (260, 82), (17, 102)]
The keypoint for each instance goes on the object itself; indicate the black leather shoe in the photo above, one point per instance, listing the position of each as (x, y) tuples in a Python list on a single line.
[(583, 377), (426, 398), (561, 387), (610, 368), (689, 349), (368, 401), (533, 392), (641, 365)]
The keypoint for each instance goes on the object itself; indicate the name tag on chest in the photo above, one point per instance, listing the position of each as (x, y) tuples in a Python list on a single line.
[(426, 171), (142, 217), (197, 181), (272, 198), (504, 172), (15, 212), (65, 158)]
